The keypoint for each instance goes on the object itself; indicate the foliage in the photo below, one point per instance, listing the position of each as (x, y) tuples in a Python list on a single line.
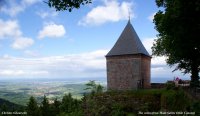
[(45, 107), (121, 103), (70, 105), (93, 87), (32, 107), (179, 26), (175, 100), (124, 103), (196, 107), (67, 107), (61, 5), (117, 110), (4, 108), (6, 105), (115, 103), (170, 85), (55, 107)]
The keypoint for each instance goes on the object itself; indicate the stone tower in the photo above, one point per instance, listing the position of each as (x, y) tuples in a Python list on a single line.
[(128, 62)]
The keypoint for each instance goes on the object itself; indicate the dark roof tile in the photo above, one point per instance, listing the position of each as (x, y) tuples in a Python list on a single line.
[(128, 43)]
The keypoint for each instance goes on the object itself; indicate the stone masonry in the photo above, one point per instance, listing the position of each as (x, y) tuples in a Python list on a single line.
[(128, 72), (128, 62)]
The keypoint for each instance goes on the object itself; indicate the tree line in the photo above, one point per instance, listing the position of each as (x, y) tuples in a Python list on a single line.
[(68, 106)]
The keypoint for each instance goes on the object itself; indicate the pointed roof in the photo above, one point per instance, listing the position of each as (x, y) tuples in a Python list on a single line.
[(128, 43)]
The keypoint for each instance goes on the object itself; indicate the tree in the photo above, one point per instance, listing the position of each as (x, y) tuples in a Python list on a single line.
[(95, 88), (179, 27), (61, 5), (70, 106), (32, 107), (4, 108), (55, 107), (67, 103), (45, 108)]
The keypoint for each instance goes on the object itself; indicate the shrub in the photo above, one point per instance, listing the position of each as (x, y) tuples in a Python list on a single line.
[(170, 85), (175, 100), (196, 107), (122, 103)]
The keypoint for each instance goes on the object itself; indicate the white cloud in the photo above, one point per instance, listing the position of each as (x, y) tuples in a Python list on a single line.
[(18, 73), (90, 64), (159, 61), (111, 11), (13, 7), (29, 2), (13, 10), (52, 30), (11, 72), (151, 17), (162, 71), (9, 28), (46, 14), (148, 43), (159, 66), (43, 14), (21, 43)]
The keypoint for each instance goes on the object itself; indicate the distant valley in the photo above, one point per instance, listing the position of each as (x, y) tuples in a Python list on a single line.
[(19, 91)]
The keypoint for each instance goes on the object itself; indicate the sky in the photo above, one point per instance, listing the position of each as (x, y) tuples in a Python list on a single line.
[(38, 42)]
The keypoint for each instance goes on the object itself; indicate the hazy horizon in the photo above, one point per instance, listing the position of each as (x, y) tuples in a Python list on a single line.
[(85, 79)]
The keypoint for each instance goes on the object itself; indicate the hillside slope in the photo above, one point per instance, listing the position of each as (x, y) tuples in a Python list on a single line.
[(9, 106)]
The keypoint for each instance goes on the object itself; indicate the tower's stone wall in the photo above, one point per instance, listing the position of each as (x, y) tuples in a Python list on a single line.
[(146, 71), (126, 72)]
